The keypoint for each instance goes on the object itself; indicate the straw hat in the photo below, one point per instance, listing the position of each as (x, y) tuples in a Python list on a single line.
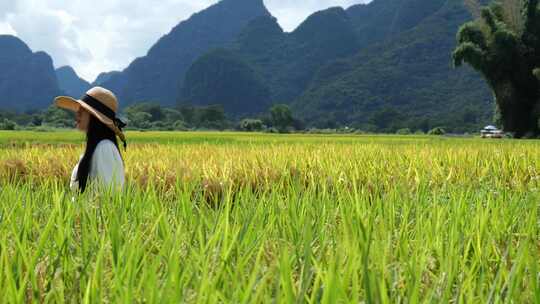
[(99, 102)]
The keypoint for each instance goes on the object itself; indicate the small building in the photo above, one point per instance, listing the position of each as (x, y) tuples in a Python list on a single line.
[(491, 132)]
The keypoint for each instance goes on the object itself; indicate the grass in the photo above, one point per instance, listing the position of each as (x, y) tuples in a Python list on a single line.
[(251, 218)]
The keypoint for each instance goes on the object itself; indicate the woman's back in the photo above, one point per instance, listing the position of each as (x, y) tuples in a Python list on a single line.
[(106, 167)]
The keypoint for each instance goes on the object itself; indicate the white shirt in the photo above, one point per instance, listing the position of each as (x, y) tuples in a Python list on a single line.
[(106, 167)]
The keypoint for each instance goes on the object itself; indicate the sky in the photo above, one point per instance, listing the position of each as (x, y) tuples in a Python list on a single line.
[(95, 36)]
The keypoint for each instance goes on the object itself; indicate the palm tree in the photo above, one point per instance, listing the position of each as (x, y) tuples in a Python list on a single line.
[(503, 44)]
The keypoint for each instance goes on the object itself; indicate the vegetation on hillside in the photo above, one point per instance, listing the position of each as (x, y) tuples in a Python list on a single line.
[(381, 20), (286, 62), (400, 79), (404, 82), (222, 77)]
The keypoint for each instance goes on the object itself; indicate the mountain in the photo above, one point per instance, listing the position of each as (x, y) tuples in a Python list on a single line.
[(285, 61), (70, 83), (381, 20), (158, 76), (104, 77), (27, 80), (222, 77), (288, 62), (379, 66), (406, 81)]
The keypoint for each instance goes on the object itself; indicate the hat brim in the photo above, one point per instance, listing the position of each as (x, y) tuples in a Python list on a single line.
[(72, 104)]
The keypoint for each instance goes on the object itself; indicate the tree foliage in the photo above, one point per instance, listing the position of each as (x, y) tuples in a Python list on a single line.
[(437, 131), (6, 124), (251, 125), (152, 116), (505, 47), (282, 117)]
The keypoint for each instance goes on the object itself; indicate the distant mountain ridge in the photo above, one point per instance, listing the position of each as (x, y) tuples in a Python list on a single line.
[(27, 80), (288, 61), (410, 74), (70, 83), (379, 66), (104, 77), (159, 75), (381, 20), (222, 76)]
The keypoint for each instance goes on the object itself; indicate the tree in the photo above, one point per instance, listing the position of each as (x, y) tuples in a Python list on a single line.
[(188, 113), (172, 115), (251, 125), (212, 113), (281, 117), (7, 124), (504, 46), (437, 131), (386, 118), (404, 131), (155, 110), (139, 120), (57, 117), (179, 125)]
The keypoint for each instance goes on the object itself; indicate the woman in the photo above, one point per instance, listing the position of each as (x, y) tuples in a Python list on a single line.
[(101, 162)]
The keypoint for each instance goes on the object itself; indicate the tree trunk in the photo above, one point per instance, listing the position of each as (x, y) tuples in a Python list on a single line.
[(518, 115)]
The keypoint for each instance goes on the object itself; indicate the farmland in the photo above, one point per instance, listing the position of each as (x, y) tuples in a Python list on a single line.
[(250, 218)]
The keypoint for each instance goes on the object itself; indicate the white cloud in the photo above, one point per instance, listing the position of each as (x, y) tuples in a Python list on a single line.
[(103, 35), (6, 29), (291, 13)]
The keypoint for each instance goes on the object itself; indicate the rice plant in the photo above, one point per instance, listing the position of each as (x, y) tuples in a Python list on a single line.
[(237, 218)]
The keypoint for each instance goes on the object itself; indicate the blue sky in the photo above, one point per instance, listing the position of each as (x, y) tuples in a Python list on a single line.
[(97, 36)]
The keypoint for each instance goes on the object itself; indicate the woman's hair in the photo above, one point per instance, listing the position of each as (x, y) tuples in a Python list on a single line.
[(97, 131)]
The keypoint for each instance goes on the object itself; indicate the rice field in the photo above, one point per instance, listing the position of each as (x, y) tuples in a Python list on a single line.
[(258, 218)]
